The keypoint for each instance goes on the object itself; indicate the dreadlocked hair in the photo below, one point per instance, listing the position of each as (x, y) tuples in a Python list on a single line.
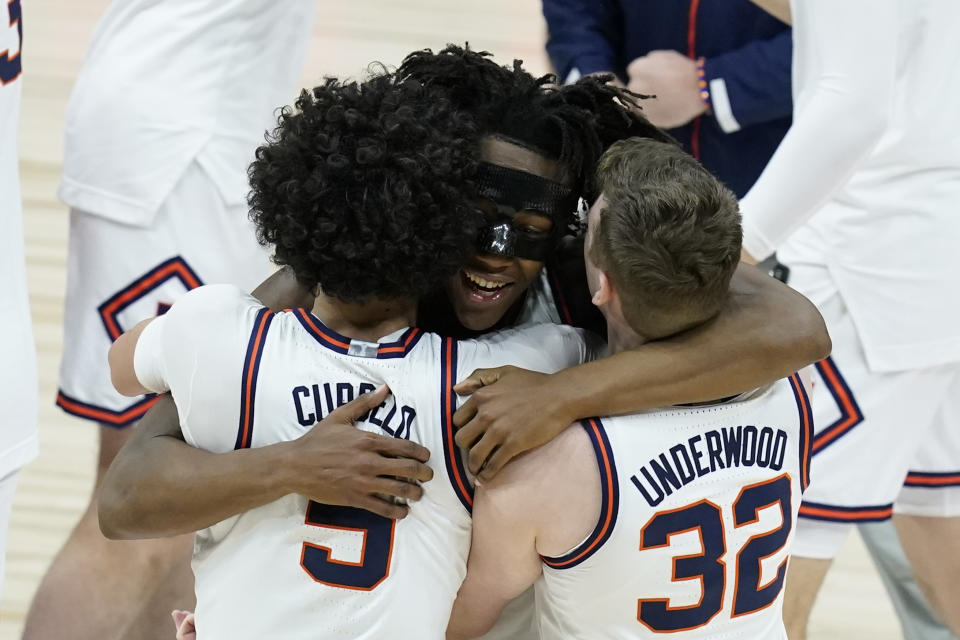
[(571, 124), (366, 188)]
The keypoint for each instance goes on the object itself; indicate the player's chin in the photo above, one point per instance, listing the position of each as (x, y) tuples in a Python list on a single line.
[(480, 310)]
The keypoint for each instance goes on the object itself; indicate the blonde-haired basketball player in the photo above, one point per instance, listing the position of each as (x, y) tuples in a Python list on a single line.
[(677, 520)]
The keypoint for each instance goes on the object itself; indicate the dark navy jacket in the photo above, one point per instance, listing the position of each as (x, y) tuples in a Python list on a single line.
[(740, 42)]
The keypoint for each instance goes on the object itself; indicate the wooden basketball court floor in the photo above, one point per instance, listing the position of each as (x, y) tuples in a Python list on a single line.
[(347, 36)]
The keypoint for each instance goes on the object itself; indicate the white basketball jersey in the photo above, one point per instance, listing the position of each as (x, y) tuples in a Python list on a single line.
[(698, 512), (18, 376), (167, 82), (539, 304), (243, 376)]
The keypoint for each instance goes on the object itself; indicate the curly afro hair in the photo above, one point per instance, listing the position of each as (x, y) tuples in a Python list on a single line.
[(365, 188), (573, 124)]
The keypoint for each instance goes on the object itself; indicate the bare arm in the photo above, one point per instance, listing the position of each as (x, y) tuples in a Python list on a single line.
[(503, 559), (160, 486), (120, 357), (766, 332)]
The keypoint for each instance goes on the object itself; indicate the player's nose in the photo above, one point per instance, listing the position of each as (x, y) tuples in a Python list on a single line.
[(490, 262)]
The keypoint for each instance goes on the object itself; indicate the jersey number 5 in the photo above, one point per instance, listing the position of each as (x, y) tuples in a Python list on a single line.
[(11, 36), (376, 550), (705, 518)]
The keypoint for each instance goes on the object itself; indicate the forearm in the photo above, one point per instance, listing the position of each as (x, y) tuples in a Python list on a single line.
[(473, 614), (766, 332), (159, 486)]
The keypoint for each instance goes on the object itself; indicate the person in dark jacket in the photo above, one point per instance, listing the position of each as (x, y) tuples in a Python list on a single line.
[(720, 71)]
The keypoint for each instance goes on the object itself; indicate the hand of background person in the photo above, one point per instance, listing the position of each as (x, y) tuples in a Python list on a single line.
[(183, 620), (672, 78), (509, 411), (335, 463)]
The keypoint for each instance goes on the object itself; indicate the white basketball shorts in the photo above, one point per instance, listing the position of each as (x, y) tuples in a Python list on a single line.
[(118, 275), (883, 443)]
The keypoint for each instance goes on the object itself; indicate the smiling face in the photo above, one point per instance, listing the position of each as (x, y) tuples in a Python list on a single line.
[(489, 284)]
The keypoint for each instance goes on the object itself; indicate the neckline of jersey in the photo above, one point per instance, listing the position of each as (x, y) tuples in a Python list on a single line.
[(327, 337)]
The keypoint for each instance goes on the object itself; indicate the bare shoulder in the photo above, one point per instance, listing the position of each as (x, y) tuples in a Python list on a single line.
[(555, 488), (545, 464)]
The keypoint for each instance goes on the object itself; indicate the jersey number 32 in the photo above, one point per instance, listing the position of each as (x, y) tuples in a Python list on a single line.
[(709, 567)]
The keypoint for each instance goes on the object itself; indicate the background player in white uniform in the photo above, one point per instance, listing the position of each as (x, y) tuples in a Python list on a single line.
[(860, 201), (245, 377), (18, 375), (711, 490), (172, 99)]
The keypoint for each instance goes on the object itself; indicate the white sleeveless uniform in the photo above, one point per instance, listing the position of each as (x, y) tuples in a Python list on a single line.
[(172, 100), (18, 375), (245, 377), (698, 513)]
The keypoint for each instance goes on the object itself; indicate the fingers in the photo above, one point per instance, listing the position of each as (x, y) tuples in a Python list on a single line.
[(465, 414), (400, 448), (388, 488), (384, 508), (479, 378), (185, 625), (178, 617), (468, 435), (359, 406), (504, 454), (404, 468), (482, 450)]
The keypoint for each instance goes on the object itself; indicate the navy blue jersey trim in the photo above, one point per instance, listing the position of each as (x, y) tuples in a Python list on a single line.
[(341, 344), (251, 371), (452, 456), (806, 429), (609, 500)]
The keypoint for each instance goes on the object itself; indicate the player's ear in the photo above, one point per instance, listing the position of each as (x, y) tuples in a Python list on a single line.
[(605, 292)]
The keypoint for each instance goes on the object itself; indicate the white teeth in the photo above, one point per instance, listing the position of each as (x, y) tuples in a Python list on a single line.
[(486, 284)]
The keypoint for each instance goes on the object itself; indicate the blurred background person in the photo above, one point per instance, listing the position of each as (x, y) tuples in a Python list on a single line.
[(18, 375), (860, 200), (172, 100), (720, 71)]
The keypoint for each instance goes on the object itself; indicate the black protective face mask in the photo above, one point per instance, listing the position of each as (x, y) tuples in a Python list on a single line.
[(511, 190)]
